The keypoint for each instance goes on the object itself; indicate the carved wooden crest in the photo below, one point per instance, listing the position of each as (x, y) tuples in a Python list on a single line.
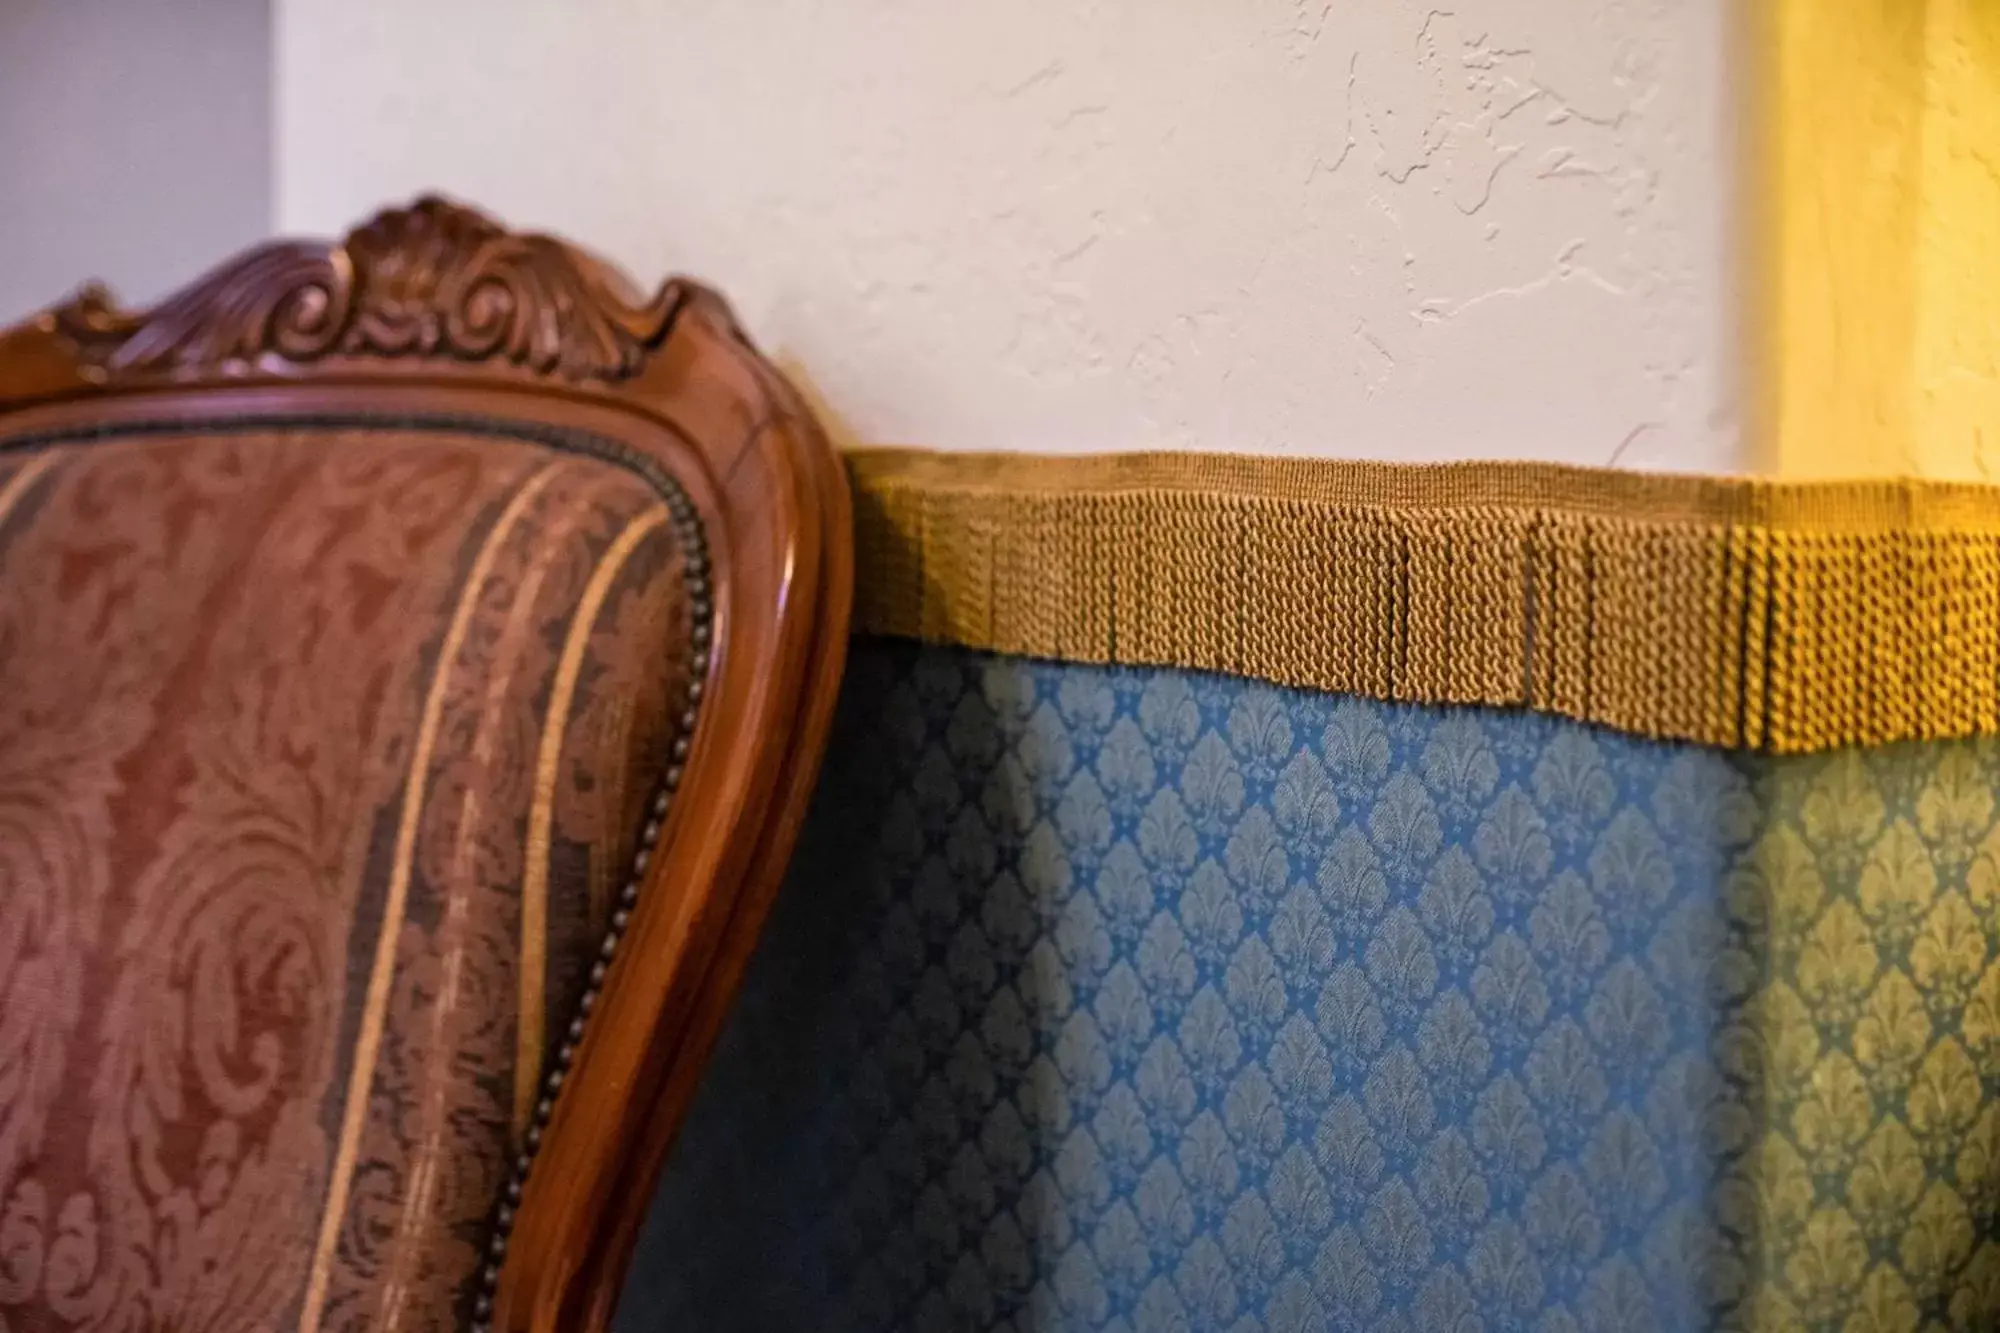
[(432, 280)]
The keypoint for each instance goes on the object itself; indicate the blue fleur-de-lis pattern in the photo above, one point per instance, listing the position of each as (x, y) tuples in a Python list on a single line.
[(1147, 1000)]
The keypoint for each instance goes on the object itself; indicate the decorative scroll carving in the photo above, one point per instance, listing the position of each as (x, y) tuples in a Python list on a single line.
[(432, 280)]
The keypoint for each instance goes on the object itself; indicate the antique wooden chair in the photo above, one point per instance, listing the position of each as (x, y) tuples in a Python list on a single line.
[(415, 655)]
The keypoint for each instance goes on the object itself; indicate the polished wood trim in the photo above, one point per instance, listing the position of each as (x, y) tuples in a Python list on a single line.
[(436, 309)]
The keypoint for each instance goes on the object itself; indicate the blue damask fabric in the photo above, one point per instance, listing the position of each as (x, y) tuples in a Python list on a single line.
[(1110, 999)]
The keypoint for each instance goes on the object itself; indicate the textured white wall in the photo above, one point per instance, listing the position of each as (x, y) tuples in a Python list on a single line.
[(135, 143), (1370, 228)]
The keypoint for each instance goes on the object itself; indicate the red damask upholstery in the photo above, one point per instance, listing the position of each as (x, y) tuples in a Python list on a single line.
[(340, 745)]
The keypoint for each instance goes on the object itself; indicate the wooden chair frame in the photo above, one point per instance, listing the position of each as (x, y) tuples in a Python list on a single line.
[(435, 310)]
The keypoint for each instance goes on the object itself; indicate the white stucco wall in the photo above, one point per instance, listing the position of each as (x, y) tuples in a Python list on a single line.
[(1378, 229), (135, 143)]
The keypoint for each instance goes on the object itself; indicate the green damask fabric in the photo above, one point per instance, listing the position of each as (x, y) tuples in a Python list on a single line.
[(1148, 1000)]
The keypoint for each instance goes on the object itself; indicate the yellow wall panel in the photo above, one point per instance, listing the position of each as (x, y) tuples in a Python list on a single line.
[(1957, 362), (1884, 243)]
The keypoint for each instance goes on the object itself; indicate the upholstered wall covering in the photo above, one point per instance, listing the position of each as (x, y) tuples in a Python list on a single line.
[(1146, 999), (1255, 896)]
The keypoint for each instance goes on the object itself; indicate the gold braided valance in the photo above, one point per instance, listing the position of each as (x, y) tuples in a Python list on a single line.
[(1738, 613)]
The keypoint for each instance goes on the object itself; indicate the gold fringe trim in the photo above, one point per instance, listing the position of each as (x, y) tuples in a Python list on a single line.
[(1738, 613)]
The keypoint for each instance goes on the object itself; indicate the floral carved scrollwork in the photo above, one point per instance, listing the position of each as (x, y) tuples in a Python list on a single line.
[(434, 280)]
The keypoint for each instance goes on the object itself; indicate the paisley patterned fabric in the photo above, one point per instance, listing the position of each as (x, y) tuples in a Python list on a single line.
[(320, 751), (1144, 1000)]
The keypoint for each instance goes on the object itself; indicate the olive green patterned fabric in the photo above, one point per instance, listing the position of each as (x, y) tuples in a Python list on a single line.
[(1141, 999)]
